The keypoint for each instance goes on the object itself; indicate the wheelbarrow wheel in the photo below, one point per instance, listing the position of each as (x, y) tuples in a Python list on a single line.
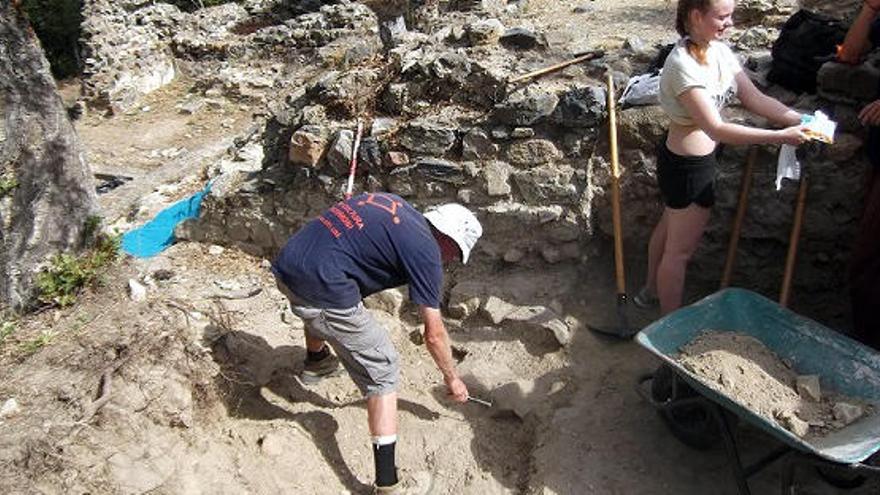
[(841, 480), (692, 424)]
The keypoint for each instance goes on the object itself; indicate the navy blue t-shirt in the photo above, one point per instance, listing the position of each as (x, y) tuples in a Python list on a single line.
[(360, 246)]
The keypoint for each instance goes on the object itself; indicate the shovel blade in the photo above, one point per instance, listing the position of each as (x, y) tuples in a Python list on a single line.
[(622, 330)]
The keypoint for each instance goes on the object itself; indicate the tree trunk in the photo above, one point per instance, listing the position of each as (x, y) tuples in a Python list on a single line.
[(46, 189)]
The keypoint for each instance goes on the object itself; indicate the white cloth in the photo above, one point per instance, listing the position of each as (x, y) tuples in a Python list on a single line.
[(682, 72), (643, 89), (788, 166)]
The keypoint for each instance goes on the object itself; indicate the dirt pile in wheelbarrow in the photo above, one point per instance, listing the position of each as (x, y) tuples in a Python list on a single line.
[(746, 371)]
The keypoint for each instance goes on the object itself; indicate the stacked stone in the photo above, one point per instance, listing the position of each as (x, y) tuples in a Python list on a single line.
[(125, 56), (443, 124)]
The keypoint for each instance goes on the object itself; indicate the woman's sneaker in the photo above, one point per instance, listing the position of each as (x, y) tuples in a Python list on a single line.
[(645, 300), (315, 370)]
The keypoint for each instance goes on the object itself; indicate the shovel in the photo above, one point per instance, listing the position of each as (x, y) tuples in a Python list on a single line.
[(741, 207), (623, 329)]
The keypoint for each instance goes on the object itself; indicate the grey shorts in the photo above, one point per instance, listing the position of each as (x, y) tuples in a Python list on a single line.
[(361, 344)]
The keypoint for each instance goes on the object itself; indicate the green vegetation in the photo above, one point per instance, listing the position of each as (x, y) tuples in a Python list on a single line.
[(66, 275), (57, 24), (36, 343), (7, 328), (7, 184)]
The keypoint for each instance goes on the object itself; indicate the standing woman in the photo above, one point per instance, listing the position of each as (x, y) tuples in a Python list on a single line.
[(699, 77)]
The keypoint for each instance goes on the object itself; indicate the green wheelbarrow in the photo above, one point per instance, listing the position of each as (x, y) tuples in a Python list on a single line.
[(700, 416)]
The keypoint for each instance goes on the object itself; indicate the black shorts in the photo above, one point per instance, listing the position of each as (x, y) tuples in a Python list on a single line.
[(685, 179)]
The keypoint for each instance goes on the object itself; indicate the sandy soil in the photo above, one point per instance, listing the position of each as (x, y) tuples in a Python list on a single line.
[(201, 388)]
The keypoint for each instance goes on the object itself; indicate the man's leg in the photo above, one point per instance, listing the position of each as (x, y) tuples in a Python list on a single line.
[(319, 362), (382, 419), (367, 353)]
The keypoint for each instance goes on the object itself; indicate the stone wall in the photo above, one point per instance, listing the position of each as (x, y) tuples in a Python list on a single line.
[(125, 52), (442, 124)]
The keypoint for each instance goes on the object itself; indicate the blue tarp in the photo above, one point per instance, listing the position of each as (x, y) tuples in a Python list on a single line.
[(157, 234)]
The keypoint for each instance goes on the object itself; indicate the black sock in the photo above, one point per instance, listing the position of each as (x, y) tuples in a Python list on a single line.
[(386, 471), (317, 355)]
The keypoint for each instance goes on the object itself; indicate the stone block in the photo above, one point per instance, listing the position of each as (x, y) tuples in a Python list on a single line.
[(808, 387), (422, 136), (339, 154), (580, 107), (848, 83), (497, 309), (546, 183), (389, 301), (465, 299), (441, 170), (484, 31), (307, 146), (519, 397), (847, 413), (394, 159), (525, 108), (522, 38), (497, 177), (476, 145), (794, 424), (533, 152)]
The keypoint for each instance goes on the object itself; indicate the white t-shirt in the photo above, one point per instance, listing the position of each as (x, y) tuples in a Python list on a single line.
[(682, 72)]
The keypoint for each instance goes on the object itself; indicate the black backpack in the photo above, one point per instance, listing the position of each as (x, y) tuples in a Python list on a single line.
[(806, 41)]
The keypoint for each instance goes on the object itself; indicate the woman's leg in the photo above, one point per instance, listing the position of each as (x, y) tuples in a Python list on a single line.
[(684, 228), (655, 252)]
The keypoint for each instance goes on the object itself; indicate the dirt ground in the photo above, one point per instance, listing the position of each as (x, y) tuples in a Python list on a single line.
[(198, 380)]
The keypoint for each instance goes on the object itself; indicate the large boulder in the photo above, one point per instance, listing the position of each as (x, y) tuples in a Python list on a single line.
[(46, 191)]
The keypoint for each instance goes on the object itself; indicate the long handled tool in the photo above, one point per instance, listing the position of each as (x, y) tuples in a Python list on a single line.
[(583, 57), (354, 154), (623, 329), (740, 213), (793, 242)]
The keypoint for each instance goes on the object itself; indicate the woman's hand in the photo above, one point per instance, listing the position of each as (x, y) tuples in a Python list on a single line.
[(870, 114), (794, 135)]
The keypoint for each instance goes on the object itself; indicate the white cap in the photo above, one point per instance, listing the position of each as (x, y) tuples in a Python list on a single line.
[(459, 224)]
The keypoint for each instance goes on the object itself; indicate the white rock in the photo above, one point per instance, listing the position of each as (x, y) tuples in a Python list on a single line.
[(520, 397), (794, 424), (273, 444), (561, 331), (808, 387), (846, 413), (136, 291), (497, 309), (389, 301), (9, 408), (216, 250)]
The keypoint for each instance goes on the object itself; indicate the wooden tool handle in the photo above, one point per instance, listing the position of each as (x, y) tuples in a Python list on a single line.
[(615, 191), (740, 214), (793, 243), (553, 68)]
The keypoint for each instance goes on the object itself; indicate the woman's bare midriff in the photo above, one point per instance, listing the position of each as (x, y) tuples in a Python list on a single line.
[(689, 140)]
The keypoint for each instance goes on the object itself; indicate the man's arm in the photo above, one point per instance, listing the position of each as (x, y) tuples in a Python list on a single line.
[(437, 341), (856, 42)]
